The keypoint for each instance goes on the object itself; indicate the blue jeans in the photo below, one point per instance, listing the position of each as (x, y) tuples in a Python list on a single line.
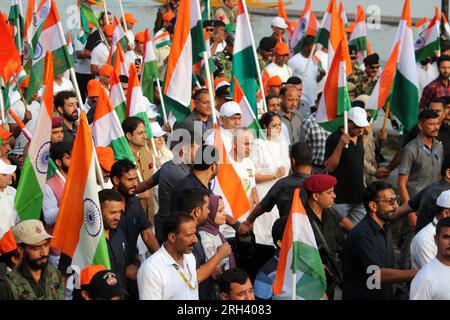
[(355, 212)]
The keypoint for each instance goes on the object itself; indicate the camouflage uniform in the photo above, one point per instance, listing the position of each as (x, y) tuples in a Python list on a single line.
[(22, 286), (224, 64), (357, 79), (262, 62), (367, 85)]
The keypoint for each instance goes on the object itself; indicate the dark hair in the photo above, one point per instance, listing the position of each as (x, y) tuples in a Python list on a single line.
[(285, 89), (278, 229), (197, 94), (120, 167), (102, 15), (174, 221), (270, 97), (446, 100), (7, 257), (371, 192), (294, 80), (109, 195), (59, 149), (443, 223), (230, 276), (267, 118), (205, 156), (445, 164), (445, 45), (302, 154), (123, 78), (442, 59), (61, 97), (130, 124), (437, 100), (427, 114), (307, 41), (189, 199)]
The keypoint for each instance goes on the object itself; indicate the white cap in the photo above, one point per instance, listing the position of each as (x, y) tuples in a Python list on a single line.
[(444, 199), (359, 116), (157, 130), (150, 107), (229, 109), (6, 168), (364, 98), (279, 23), (221, 84)]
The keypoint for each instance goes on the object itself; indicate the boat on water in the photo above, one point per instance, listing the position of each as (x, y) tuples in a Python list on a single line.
[(250, 3)]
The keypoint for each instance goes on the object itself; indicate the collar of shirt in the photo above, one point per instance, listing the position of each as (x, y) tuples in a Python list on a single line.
[(197, 181), (376, 227), (441, 82), (421, 143), (168, 259)]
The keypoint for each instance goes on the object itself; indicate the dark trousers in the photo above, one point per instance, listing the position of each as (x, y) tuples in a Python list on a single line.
[(83, 80)]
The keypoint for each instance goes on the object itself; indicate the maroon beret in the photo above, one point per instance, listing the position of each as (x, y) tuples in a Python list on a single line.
[(57, 122), (319, 182)]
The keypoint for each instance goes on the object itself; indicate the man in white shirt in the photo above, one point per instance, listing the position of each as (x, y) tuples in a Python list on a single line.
[(423, 247), (307, 70), (99, 55), (27, 113), (426, 72), (170, 274), (230, 119), (432, 282), (135, 56), (8, 214), (279, 67), (62, 84)]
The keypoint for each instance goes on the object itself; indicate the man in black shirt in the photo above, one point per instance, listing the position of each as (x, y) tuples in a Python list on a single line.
[(369, 263), (134, 221), (344, 154)]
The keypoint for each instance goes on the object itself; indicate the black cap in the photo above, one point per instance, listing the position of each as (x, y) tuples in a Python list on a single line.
[(105, 285), (208, 23), (352, 50), (218, 23), (374, 58), (267, 43), (224, 91)]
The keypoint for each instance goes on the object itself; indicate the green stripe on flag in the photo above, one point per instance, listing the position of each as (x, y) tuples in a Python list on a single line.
[(404, 101), (244, 69), (360, 43), (29, 196), (322, 37), (179, 111), (198, 42), (162, 44), (121, 111), (101, 255), (428, 51), (343, 101), (121, 149)]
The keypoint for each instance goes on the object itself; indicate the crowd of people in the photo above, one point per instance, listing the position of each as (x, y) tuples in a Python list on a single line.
[(169, 232)]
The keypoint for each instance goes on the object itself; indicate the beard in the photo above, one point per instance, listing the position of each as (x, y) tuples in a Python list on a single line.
[(127, 191), (71, 117), (38, 264), (386, 217)]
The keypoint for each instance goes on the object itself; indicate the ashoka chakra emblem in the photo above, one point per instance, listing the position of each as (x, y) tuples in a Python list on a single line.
[(92, 218), (42, 158), (419, 43)]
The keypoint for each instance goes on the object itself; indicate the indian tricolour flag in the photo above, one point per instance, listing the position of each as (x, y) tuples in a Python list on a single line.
[(384, 84), (50, 39), (107, 130), (446, 25), (119, 36), (343, 14), (429, 43), (79, 230), (30, 191), (307, 26), (116, 94), (119, 60), (186, 50), (323, 34), (150, 71), (335, 99), (162, 40), (244, 56), (15, 18), (336, 34), (300, 270), (249, 119), (358, 38), (135, 100), (34, 22), (405, 94)]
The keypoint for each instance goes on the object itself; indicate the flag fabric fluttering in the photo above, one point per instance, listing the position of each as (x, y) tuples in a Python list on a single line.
[(16, 19), (117, 94), (119, 37), (307, 25), (282, 13), (150, 71), (300, 256), (186, 50), (249, 119), (87, 16), (428, 43), (10, 60), (30, 191), (244, 60), (107, 130), (335, 99), (405, 93), (446, 25), (78, 231), (358, 37), (50, 39)]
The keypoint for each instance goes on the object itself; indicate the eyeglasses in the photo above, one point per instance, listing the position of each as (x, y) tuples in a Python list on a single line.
[(210, 29), (374, 67), (391, 202), (353, 57)]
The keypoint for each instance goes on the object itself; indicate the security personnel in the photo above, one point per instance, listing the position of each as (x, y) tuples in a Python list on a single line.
[(34, 278), (356, 77), (224, 60), (370, 77), (265, 51)]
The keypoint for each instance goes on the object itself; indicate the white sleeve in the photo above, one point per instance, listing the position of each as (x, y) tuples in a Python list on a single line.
[(150, 284), (49, 206), (422, 252), (421, 288), (96, 58), (19, 110)]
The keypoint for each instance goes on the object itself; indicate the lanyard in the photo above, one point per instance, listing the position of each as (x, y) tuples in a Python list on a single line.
[(188, 282)]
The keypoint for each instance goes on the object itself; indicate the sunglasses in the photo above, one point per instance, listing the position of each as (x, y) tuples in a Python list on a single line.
[(210, 29)]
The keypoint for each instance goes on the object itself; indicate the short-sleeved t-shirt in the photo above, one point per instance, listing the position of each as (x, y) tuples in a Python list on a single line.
[(99, 55), (420, 164), (432, 282), (349, 172), (133, 221)]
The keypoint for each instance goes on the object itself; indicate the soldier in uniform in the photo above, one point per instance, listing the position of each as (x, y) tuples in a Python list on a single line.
[(34, 278), (227, 13), (265, 51), (370, 77), (356, 77), (224, 60)]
